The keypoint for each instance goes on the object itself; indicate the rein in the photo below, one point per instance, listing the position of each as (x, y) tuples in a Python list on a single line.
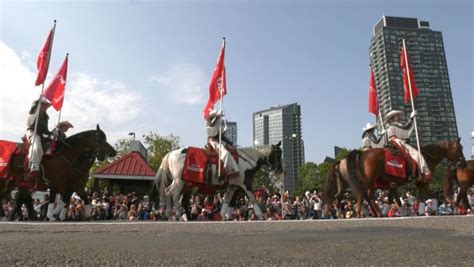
[(255, 164)]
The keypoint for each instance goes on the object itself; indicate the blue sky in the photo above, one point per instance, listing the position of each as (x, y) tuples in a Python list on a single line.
[(145, 66)]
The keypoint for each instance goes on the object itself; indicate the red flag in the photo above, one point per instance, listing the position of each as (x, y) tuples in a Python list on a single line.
[(55, 91), (373, 99), (403, 65), (42, 62), (218, 83)]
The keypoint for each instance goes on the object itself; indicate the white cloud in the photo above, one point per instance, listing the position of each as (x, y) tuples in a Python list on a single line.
[(88, 100), (183, 82)]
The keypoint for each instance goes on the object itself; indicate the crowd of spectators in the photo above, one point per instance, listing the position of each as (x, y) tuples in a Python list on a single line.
[(274, 206)]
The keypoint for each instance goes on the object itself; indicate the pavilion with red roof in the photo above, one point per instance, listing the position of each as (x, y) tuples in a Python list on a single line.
[(131, 169)]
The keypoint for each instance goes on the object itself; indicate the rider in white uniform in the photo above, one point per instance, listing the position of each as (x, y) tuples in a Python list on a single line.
[(214, 123), (399, 135), (370, 140)]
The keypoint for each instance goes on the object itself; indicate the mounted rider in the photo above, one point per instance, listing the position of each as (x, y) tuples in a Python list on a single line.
[(399, 136), (369, 138), (61, 129), (36, 140), (216, 123)]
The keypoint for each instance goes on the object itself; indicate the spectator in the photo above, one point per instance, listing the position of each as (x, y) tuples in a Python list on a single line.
[(393, 212), (203, 216), (317, 206), (132, 213), (446, 208), (406, 210), (271, 216), (308, 204), (428, 208)]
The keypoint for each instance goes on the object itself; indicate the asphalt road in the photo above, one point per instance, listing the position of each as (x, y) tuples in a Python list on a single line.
[(413, 241)]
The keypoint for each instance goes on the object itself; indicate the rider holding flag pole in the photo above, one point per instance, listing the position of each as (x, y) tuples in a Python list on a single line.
[(215, 121)]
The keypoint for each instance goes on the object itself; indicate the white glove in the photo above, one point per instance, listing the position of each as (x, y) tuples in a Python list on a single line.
[(413, 114), (383, 132)]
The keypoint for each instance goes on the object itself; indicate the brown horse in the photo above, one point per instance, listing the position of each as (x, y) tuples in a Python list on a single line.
[(68, 170), (361, 169), (464, 178), (337, 183)]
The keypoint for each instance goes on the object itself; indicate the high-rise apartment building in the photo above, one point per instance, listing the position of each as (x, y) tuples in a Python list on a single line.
[(231, 132), (282, 124), (436, 118)]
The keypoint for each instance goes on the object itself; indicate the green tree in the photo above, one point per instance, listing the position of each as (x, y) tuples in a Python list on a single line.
[(262, 179), (307, 179), (158, 146)]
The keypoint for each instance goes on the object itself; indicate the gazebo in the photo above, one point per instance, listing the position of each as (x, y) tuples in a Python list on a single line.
[(129, 170)]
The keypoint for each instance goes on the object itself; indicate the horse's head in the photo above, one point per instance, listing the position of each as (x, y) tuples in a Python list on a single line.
[(274, 159), (454, 153), (103, 148), (92, 144)]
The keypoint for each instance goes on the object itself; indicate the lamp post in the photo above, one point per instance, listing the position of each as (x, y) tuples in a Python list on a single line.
[(132, 134), (292, 138)]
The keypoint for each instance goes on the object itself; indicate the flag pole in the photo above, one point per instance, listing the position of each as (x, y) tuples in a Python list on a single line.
[(411, 98), (378, 102), (41, 96), (64, 96), (221, 107)]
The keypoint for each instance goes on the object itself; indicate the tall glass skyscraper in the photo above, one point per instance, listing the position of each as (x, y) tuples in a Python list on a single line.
[(282, 123), (436, 118), (231, 132)]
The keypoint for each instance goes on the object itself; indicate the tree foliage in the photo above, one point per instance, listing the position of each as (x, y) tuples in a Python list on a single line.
[(158, 146), (312, 176)]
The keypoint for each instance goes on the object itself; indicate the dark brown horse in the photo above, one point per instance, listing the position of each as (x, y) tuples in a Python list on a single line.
[(68, 170), (361, 169), (464, 178)]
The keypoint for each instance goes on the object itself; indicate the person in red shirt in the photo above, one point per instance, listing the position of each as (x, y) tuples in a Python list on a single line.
[(393, 212)]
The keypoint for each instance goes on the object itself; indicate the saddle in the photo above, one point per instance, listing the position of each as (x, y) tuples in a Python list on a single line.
[(7, 150), (200, 165)]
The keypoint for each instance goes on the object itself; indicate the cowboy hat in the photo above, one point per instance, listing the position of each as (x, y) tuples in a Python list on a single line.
[(66, 123), (369, 126), (428, 201), (42, 100), (392, 113)]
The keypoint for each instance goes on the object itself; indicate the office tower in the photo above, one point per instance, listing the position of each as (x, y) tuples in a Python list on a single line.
[(282, 124), (436, 118)]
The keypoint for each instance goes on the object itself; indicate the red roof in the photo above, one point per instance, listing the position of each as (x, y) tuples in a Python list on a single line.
[(132, 164)]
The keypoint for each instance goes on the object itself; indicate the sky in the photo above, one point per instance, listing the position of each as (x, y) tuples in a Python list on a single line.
[(145, 66)]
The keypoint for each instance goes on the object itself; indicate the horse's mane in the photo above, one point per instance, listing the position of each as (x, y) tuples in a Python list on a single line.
[(439, 145), (76, 139), (257, 152)]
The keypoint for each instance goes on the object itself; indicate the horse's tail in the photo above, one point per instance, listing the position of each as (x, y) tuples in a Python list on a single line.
[(351, 160), (448, 184), (160, 179), (330, 185)]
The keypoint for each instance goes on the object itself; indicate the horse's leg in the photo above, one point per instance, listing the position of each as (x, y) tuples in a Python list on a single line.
[(2, 197), (65, 198), (462, 196), (18, 202), (393, 194), (424, 190), (375, 209), (175, 191), (52, 200), (185, 201), (252, 200), (227, 198), (87, 204), (29, 207)]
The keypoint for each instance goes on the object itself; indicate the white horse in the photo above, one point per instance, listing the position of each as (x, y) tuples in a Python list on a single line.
[(250, 161)]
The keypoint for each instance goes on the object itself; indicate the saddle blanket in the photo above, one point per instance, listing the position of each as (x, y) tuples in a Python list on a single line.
[(395, 165), (200, 165), (7, 149)]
